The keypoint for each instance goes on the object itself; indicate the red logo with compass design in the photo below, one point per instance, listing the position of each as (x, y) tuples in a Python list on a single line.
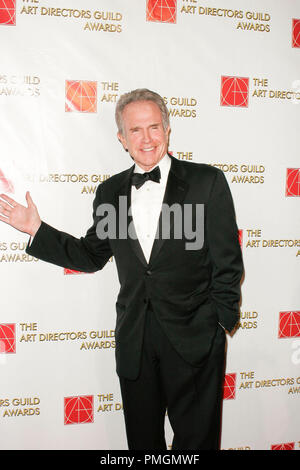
[(81, 96), (292, 182), (161, 11), (8, 12), (229, 386), (235, 91), (7, 338), (296, 33), (289, 324), (79, 409)]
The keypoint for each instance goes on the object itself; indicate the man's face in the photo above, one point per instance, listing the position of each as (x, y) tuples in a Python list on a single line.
[(143, 134)]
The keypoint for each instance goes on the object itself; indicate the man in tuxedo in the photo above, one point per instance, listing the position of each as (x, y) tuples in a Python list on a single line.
[(176, 298)]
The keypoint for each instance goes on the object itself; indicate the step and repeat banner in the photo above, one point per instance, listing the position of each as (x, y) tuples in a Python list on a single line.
[(229, 72)]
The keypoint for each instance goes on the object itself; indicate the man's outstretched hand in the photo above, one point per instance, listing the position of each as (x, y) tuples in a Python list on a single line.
[(25, 219)]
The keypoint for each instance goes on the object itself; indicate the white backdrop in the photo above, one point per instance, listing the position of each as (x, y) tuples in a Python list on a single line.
[(230, 75)]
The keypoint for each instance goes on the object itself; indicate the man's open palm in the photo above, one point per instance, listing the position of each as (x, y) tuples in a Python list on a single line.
[(25, 219)]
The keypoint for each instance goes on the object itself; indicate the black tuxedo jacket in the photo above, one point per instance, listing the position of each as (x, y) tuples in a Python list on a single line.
[(191, 291)]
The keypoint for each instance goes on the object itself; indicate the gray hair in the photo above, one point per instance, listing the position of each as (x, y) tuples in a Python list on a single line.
[(141, 94)]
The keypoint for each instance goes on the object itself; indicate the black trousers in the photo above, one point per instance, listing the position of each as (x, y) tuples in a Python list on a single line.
[(191, 396)]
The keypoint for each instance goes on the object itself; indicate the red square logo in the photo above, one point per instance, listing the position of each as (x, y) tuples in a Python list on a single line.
[(8, 12), (5, 185), (286, 446), (162, 11), (79, 409), (81, 96), (229, 387), (7, 338), (234, 91), (296, 33), (72, 271), (292, 182), (289, 325), (240, 235)]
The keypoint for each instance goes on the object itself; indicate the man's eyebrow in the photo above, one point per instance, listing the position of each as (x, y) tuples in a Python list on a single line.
[(154, 124)]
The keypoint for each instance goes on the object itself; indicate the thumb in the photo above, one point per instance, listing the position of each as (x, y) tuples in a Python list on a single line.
[(29, 200)]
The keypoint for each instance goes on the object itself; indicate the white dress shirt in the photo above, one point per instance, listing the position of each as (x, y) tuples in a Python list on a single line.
[(146, 204)]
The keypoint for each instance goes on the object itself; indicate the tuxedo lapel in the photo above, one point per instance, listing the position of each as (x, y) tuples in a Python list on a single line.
[(128, 224), (176, 190)]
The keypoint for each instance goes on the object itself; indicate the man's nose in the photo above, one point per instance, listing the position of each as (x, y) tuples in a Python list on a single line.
[(146, 135)]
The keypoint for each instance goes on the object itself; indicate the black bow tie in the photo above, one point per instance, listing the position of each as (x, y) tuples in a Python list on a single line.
[(138, 179)]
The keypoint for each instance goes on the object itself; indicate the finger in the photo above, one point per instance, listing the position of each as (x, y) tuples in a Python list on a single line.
[(4, 219), (28, 199), (5, 212), (8, 199), (5, 206)]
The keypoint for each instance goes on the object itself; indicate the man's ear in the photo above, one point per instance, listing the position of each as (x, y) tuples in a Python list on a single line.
[(122, 140)]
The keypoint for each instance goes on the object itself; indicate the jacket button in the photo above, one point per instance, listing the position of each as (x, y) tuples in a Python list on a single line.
[(148, 273)]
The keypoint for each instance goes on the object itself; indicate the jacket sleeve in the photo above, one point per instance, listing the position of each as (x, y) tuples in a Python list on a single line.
[(87, 254), (225, 253)]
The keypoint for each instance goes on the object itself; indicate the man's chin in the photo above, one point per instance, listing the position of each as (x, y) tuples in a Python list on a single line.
[(148, 161)]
